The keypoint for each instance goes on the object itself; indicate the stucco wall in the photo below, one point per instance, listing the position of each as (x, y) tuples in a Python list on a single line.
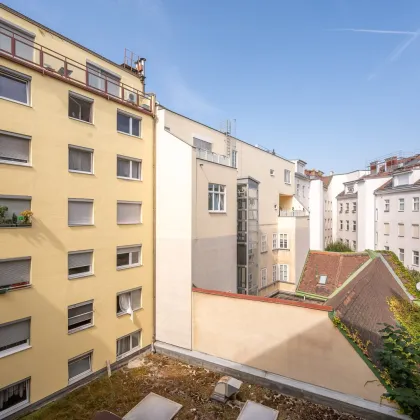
[(174, 215), (316, 221), (343, 233), (307, 347)]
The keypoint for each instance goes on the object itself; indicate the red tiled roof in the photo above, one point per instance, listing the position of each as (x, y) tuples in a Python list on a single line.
[(387, 184), (327, 180), (335, 265)]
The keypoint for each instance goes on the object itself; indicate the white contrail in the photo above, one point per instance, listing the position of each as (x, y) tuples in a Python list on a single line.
[(377, 31), (402, 47)]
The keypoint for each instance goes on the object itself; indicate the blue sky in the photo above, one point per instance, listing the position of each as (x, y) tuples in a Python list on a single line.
[(292, 80)]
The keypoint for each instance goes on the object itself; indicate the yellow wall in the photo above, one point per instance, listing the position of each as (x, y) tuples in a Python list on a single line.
[(303, 345), (50, 238)]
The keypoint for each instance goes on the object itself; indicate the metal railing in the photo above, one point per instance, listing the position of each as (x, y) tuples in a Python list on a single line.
[(213, 157), (293, 213), (58, 65)]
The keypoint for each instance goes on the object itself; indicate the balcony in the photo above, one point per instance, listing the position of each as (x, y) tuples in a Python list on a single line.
[(213, 157), (293, 213), (100, 81)]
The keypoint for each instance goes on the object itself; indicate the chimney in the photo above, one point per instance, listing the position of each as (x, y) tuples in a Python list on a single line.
[(391, 163), (331, 172), (374, 167)]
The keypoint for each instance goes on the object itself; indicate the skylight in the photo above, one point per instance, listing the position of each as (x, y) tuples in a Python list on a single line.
[(322, 279)]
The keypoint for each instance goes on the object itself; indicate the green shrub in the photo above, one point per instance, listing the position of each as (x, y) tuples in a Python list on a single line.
[(338, 246)]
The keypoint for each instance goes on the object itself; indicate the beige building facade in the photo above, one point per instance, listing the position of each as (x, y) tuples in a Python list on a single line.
[(76, 213)]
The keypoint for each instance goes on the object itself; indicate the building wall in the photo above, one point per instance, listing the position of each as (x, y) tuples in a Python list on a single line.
[(408, 217), (316, 221), (174, 227), (50, 238), (302, 186), (344, 234), (307, 347), (214, 234)]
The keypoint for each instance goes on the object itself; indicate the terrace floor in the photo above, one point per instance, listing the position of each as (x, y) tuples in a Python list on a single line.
[(188, 385)]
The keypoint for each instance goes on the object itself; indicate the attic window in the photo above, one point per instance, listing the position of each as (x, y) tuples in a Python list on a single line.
[(322, 279), (272, 172)]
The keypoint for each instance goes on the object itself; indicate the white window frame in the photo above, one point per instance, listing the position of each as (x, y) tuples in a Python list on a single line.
[(399, 230), (132, 349), (283, 241), (130, 257), (131, 300), (130, 160), (401, 204), (21, 137), (83, 149), (341, 225), (219, 193), (354, 245), (83, 327), (347, 207), (264, 246), (83, 374), (303, 191), (414, 227), (387, 205), (20, 347), (348, 225), (354, 225), (82, 200), (283, 272), (131, 116), (20, 77), (275, 241), (18, 406), (274, 272), (354, 207), (10, 286), (287, 177), (416, 258), (234, 158), (297, 189), (341, 207), (141, 212), (76, 96), (387, 228), (263, 277), (416, 203), (84, 274), (401, 252), (323, 278)]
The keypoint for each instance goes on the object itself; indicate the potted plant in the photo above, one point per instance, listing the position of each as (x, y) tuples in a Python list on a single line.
[(3, 210), (14, 219), (27, 217)]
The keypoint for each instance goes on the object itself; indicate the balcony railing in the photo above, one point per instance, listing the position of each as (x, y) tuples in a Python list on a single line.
[(293, 213), (213, 157), (57, 65)]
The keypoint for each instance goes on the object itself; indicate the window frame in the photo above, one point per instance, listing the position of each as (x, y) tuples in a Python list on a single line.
[(131, 116), (219, 193), (341, 224), (323, 278), (416, 256), (137, 203), (20, 137), (287, 177), (264, 244), (401, 204), (348, 225), (82, 327), (20, 77), (130, 257), (19, 347), (354, 207), (13, 409), (84, 274), (81, 200), (132, 349), (82, 149), (387, 205), (263, 277), (283, 238), (130, 160), (416, 204), (283, 268), (401, 251), (354, 226), (75, 96), (401, 229), (414, 227), (354, 245), (387, 228), (83, 374), (130, 291), (22, 286)]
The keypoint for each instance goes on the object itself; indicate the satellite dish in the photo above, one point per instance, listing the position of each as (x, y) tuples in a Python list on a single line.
[(418, 286)]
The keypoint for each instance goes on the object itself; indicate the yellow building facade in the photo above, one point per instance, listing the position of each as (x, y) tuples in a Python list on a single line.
[(77, 150)]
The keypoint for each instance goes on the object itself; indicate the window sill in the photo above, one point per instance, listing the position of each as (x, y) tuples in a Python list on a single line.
[(79, 377), (73, 171), (130, 135), (264, 252), (128, 224), (217, 211), (12, 289), (80, 275), (400, 211), (11, 226), (84, 327), (285, 282), (14, 409), (72, 225), (126, 267), (287, 183), (122, 314), (281, 249), (15, 102), (122, 356), (11, 162), (129, 179), (77, 119), (14, 350)]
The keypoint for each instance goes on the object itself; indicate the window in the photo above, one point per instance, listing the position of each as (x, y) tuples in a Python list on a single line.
[(415, 232), (283, 241), (263, 277), (386, 228), (80, 264), (401, 254), (347, 207), (201, 144), (128, 256), (354, 225), (217, 196), (263, 243), (386, 248), (284, 268), (401, 229), (14, 397), (14, 336), (80, 212), (234, 159), (287, 176), (274, 273), (14, 86), (128, 344), (376, 215), (416, 258), (127, 302), (128, 124), (15, 273), (341, 225), (102, 79), (347, 225), (80, 107), (303, 191), (354, 245), (323, 279), (297, 189), (128, 168), (387, 205), (341, 207), (24, 40), (14, 148), (401, 204), (13, 206), (416, 204), (80, 367), (80, 316), (128, 212), (347, 242), (275, 246), (354, 206), (80, 160), (376, 238), (272, 172)]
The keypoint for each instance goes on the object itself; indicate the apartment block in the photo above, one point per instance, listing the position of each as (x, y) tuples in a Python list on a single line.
[(76, 212)]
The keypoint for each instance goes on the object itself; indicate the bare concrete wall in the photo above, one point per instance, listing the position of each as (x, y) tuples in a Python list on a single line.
[(296, 342)]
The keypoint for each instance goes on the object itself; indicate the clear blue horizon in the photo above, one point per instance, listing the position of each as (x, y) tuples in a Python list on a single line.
[(332, 82)]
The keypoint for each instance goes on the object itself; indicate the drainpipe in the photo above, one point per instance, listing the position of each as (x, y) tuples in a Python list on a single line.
[(155, 118)]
